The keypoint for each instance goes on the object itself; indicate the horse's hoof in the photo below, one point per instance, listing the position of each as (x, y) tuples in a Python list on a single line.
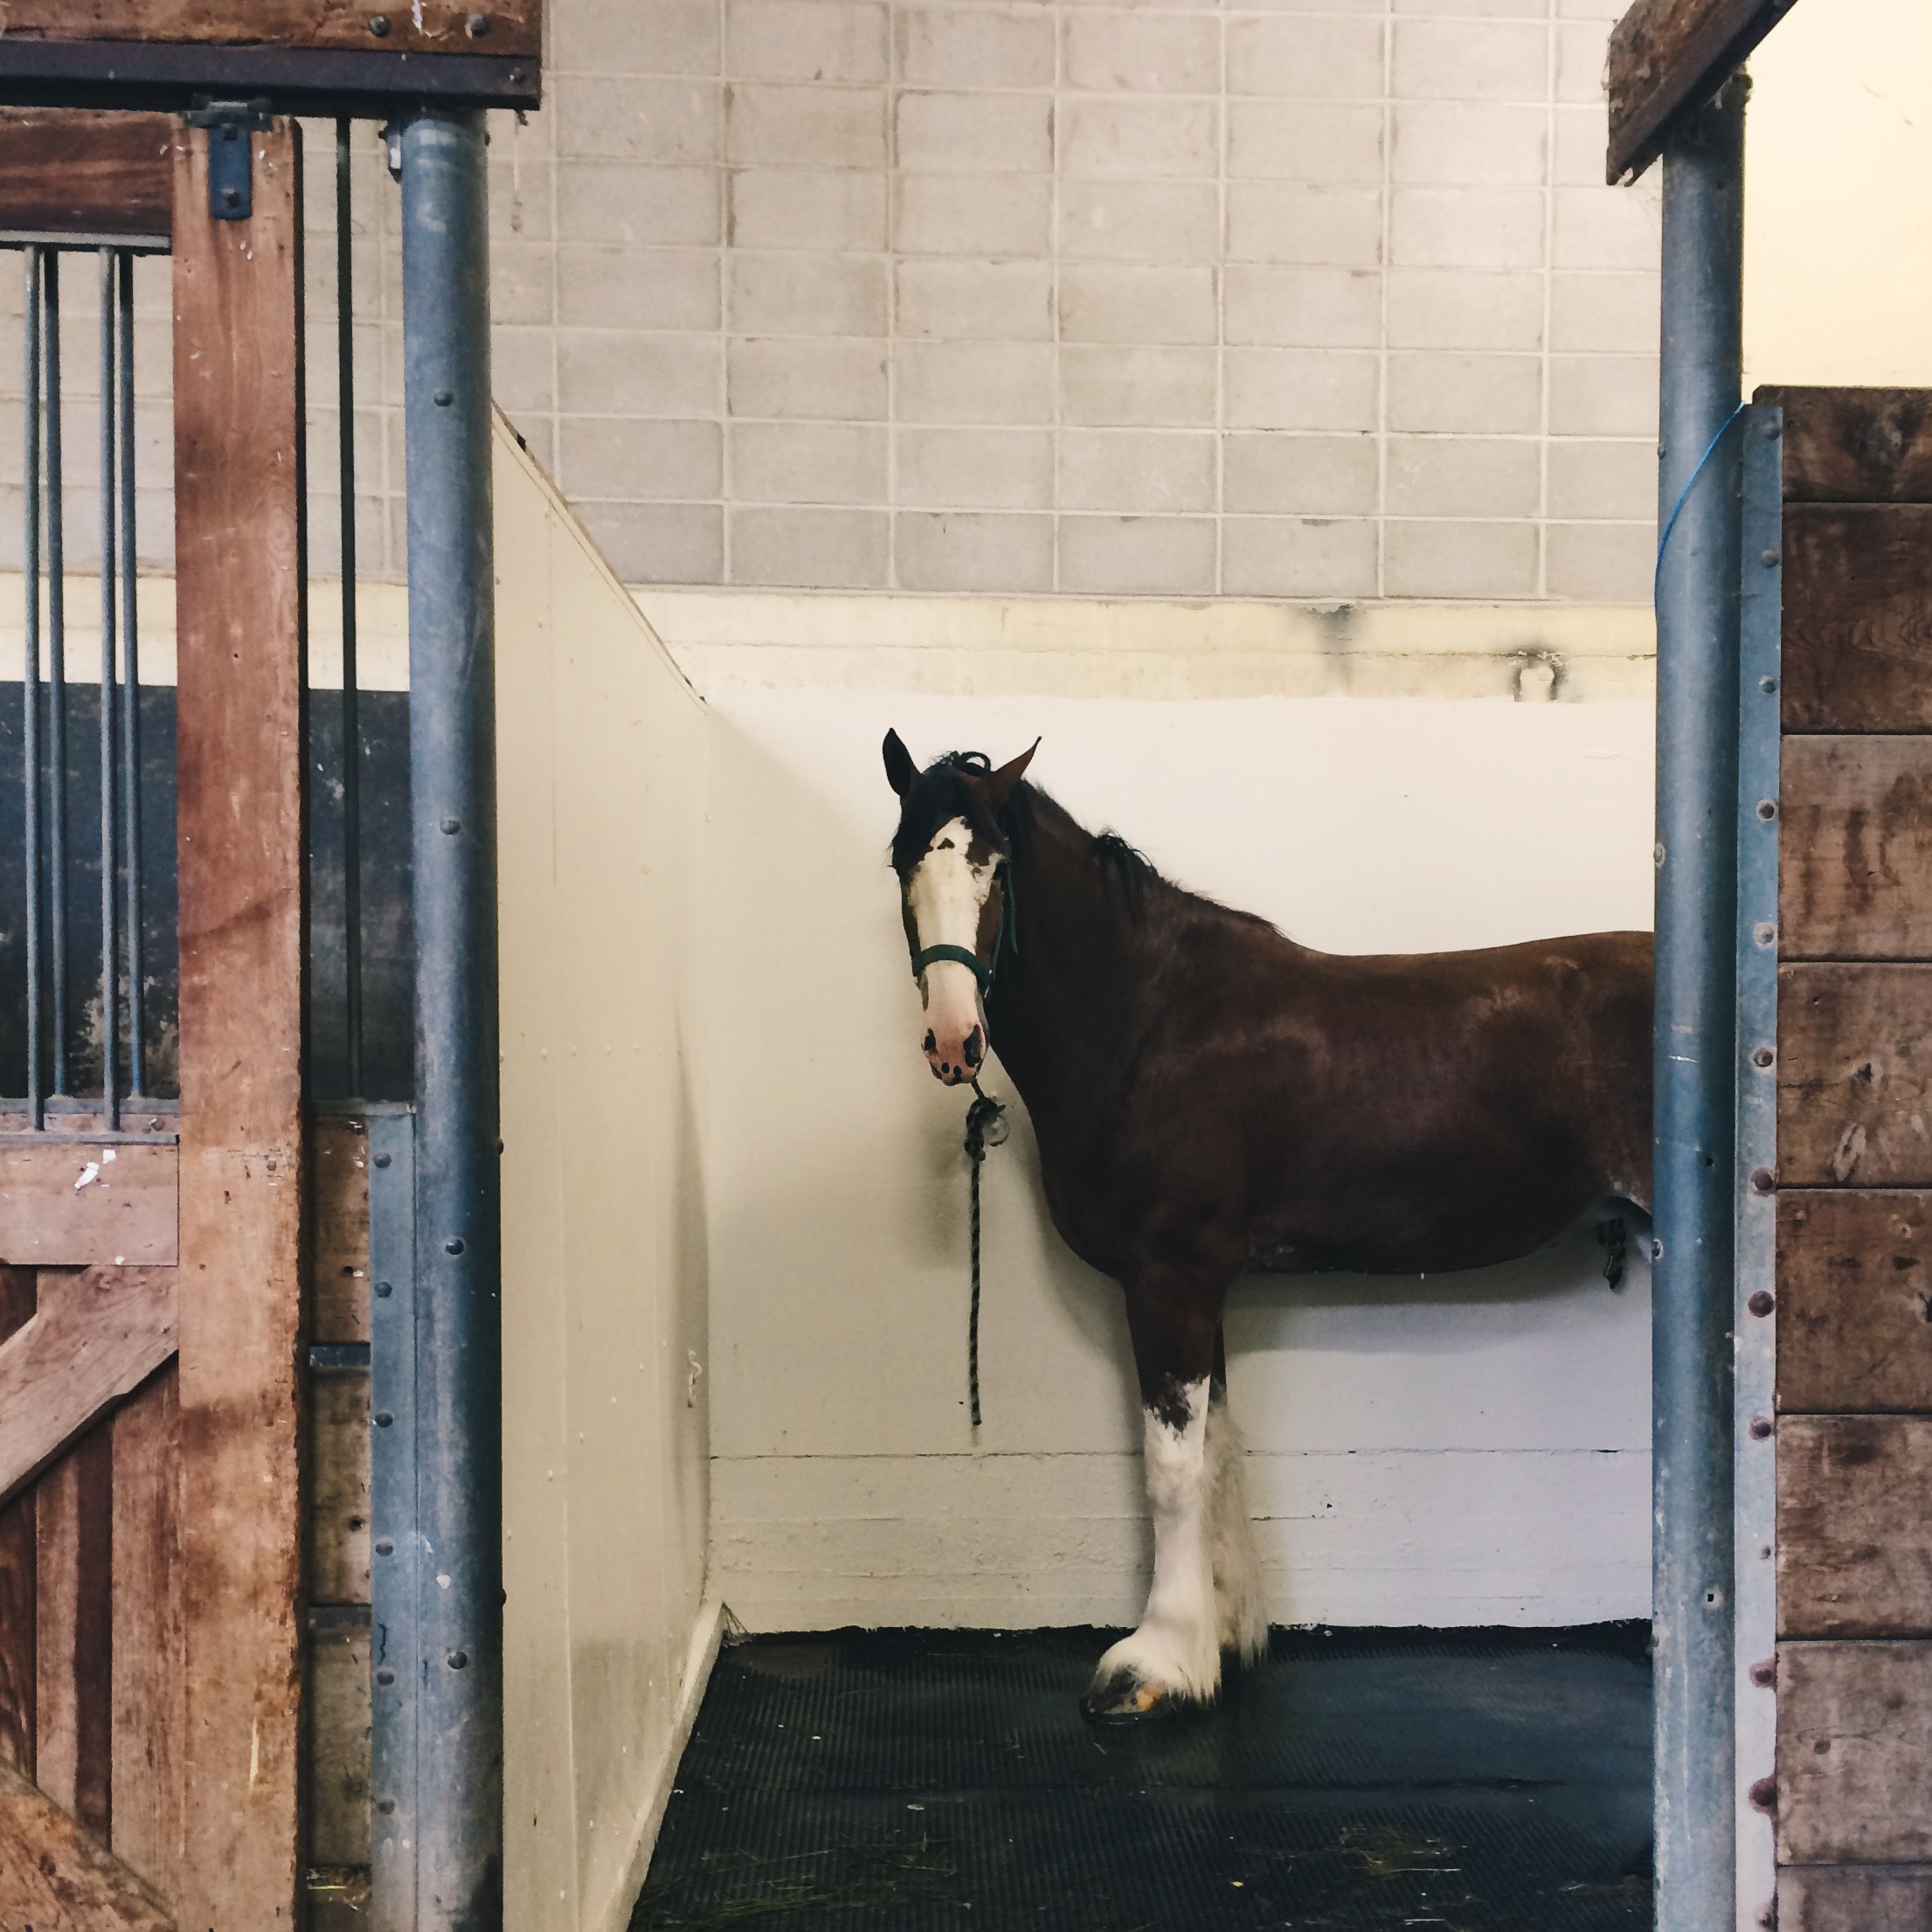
[(1124, 1701)]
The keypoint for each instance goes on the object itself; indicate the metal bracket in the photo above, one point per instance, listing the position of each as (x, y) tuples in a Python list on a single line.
[(230, 171)]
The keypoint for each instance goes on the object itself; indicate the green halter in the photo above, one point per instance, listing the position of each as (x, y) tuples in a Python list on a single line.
[(1005, 939)]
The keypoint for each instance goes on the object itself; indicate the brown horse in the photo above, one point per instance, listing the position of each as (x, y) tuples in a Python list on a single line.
[(1211, 1098)]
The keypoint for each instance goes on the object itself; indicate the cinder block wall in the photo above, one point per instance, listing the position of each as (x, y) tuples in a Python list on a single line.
[(1312, 300)]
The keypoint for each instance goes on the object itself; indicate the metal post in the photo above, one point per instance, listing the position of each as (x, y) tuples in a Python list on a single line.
[(453, 784), (30, 739), (110, 1102), (130, 712), (1697, 720)]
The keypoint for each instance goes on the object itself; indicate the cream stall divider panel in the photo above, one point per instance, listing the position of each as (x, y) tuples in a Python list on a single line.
[(602, 776), (1458, 1451), (1838, 283)]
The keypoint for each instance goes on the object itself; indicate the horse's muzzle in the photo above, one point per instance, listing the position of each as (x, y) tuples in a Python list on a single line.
[(955, 1058)]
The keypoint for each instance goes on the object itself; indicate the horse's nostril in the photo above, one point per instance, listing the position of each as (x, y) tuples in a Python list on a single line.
[(930, 1044), (972, 1047)]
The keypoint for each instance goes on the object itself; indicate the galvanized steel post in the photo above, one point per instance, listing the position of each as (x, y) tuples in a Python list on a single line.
[(453, 784), (1697, 731)]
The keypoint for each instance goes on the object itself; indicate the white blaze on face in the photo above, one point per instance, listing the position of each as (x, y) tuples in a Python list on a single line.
[(946, 897)]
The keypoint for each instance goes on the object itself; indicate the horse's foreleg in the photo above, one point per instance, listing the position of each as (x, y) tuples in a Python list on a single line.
[(1173, 1658), (1241, 1608)]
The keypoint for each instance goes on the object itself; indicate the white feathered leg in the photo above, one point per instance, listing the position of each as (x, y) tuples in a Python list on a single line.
[(1241, 1609), (1175, 1654)]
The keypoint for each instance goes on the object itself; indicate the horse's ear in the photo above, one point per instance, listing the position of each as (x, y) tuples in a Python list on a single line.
[(900, 771), (999, 787)]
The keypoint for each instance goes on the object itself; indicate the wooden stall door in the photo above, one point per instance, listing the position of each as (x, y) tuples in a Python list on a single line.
[(150, 1331), (1853, 1797)]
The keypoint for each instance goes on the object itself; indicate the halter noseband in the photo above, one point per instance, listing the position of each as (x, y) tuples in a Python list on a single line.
[(964, 955)]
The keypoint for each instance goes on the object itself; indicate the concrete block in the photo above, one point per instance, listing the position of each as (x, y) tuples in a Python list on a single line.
[(522, 194), (1307, 56), (1582, 141), (1318, 142), (966, 134), (792, 293), (1467, 228), (1601, 562), (811, 549), (1108, 303), (648, 461), (1599, 479), (1168, 222), (1139, 470), (1316, 557), (1268, 304), (807, 208), (608, 117), (972, 382), (616, 203), (805, 127), (658, 543), (522, 370), (1300, 389), (1136, 387), (975, 46), (812, 40), (1137, 555), (1464, 309), (1287, 222), (1603, 396), (1609, 311), (973, 214), (1606, 228), (1582, 53), (1138, 138), (607, 36), (809, 462), (1464, 394), (947, 468), (1472, 60), (1149, 52), (1451, 143), (1008, 301), (969, 550), (633, 288), (1460, 559), (1299, 475), (1467, 476), (630, 372), (827, 379)]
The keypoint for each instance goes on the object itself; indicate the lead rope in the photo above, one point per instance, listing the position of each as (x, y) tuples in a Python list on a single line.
[(984, 1127)]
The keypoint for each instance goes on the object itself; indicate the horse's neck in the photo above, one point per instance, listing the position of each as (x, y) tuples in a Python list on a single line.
[(1065, 999)]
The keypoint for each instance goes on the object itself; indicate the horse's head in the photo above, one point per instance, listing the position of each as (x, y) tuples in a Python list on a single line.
[(951, 854)]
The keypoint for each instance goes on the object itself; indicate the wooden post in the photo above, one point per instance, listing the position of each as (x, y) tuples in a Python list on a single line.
[(241, 565)]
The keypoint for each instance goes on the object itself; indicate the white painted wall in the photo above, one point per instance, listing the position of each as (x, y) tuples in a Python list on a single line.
[(1467, 1450)]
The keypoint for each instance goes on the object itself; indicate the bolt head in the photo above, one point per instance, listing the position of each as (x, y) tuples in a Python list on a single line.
[(1760, 1428), (1763, 1181), (454, 1247), (1770, 559), (477, 25), (1762, 1057), (378, 26), (458, 1660), (1761, 1303)]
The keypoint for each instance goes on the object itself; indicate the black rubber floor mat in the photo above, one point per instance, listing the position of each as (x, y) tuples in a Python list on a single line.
[(897, 1782)]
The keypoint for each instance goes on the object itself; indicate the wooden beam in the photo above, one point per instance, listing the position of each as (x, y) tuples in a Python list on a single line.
[(1855, 1751), (1858, 649), (1854, 1301), (55, 1878), (407, 26), (69, 172), (1668, 57), (75, 1501), (1852, 1898), (98, 1335), (83, 1204), (18, 1592), (1854, 1076), (1855, 851), (1854, 1526), (1854, 446), (241, 668)]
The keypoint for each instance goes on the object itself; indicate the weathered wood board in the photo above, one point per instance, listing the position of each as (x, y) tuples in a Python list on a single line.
[(1854, 1526), (1854, 1744), (97, 1335), (339, 1191), (241, 672), (54, 1877), (74, 1517), (67, 1204), (1669, 56), (68, 171), (1854, 446), (1858, 618), (338, 1718), (1854, 1898), (1854, 1087), (18, 1640), (338, 1489), (1854, 1301), (1855, 852), (409, 26)]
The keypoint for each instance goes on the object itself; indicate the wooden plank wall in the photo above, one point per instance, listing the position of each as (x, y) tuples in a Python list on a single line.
[(1854, 1259)]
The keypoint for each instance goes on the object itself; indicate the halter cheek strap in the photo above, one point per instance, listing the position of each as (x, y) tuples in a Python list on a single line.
[(1005, 940)]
